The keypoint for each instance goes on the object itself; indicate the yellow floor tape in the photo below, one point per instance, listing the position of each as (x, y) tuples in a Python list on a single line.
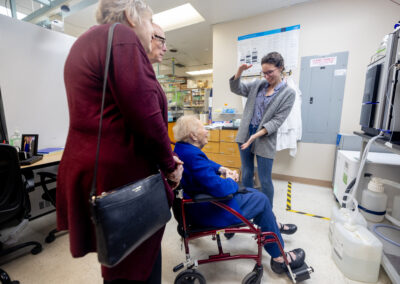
[(289, 204)]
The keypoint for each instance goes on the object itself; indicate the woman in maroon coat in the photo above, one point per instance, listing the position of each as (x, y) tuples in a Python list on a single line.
[(134, 141)]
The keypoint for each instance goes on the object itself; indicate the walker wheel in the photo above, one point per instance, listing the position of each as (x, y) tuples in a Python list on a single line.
[(190, 276), (252, 278), (37, 249)]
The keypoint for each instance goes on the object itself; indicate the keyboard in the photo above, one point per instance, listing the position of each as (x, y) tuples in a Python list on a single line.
[(30, 161)]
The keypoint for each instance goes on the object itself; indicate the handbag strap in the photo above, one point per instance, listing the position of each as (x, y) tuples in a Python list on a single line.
[(108, 56)]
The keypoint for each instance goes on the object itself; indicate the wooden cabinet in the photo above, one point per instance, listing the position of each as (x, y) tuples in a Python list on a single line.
[(211, 147), (223, 149), (228, 135), (171, 134), (213, 135), (229, 148)]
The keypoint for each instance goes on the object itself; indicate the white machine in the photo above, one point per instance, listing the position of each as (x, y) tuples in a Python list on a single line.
[(382, 165)]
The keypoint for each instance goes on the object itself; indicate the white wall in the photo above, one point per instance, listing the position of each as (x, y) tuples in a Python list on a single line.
[(31, 79), (327, 26)]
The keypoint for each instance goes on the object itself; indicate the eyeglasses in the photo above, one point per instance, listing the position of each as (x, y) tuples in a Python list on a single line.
[(268, 73), (161, 39)]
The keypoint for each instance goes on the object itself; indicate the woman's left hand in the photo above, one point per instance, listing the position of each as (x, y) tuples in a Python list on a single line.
[(253, 137), (248, 142)]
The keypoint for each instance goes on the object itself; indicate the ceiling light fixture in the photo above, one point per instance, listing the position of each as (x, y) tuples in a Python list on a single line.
[(178, 17), (200, 72), (65, 8)]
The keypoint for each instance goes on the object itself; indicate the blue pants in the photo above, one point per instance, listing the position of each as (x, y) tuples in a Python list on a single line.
[(255, 205), (264, 169)]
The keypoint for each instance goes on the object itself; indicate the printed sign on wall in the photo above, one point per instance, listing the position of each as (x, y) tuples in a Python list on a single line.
[(251, 48), (323, 61)]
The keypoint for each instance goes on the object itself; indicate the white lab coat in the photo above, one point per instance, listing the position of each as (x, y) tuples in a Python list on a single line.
[(291, 129)]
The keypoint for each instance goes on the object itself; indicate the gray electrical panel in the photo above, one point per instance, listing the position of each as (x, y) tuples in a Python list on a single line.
[(322, 81)]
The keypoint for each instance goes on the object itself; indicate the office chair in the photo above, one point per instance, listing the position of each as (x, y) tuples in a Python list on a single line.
[(14, 201), (49, 195)]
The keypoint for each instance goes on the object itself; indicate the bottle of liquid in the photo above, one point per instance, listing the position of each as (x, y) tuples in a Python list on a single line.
[(344, 215), (15, 139), (374, 201), (356, 252)]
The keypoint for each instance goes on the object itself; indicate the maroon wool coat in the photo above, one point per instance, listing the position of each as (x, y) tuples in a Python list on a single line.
[(134, 141)]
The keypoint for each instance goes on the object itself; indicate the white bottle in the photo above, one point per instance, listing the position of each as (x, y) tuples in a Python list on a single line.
[(15, 139), (374, 201), (344, 215), (356, 252)]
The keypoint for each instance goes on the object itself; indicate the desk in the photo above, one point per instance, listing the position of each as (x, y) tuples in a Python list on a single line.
[(39, 207), (47, 161)]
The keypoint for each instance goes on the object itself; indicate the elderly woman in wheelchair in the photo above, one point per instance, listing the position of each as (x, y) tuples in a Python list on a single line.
[(202, 175)]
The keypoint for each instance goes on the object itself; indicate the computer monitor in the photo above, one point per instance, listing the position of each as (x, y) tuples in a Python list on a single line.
[(3, 125)]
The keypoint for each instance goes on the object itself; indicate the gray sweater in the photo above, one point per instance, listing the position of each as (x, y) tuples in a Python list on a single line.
[(275, 114)]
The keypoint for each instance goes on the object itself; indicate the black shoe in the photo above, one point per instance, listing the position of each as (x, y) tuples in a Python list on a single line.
[(229, 236), (291, 229), (280, 267)]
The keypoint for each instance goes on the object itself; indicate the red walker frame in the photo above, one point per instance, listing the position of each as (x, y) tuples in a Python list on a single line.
[(246, 228)]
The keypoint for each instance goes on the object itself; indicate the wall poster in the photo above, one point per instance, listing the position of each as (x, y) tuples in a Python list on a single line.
[(252, 47)]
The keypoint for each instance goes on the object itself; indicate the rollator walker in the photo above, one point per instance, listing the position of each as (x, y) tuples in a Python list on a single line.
[(188, 232)]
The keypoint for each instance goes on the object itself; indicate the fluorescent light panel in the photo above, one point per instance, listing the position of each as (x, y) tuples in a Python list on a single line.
[(7, 12), (200, 72), (178, 17)]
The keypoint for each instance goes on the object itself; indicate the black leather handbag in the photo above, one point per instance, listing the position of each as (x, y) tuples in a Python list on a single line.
[(126, 216)]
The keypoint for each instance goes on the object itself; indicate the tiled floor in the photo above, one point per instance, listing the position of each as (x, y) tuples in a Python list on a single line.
[(55, 264)]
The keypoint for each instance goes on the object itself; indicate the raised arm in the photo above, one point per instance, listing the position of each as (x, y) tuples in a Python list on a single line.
[(237, 87)]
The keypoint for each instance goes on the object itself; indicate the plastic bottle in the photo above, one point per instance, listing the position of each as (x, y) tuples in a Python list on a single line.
[(374, 201), (356, 252), (15, 139), (349, 216), (344, 215)]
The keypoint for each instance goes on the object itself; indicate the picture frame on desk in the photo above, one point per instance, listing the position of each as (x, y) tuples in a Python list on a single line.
[(29, 143)]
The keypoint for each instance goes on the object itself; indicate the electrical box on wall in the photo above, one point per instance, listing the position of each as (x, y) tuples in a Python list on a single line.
[(322, 82)]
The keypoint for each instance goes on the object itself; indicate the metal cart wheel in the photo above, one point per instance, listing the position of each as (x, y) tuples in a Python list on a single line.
[(5, 279), (252, 278), (37, 249), (190, 276)]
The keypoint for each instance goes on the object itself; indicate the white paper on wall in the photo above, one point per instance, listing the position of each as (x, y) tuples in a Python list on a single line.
[(252, 47)]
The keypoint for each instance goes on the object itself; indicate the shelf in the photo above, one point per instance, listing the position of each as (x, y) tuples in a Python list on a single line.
[(390, 257), (172, 81), (382, 142)]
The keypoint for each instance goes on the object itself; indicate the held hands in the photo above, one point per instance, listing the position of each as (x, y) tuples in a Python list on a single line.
[(175, 177), (227, 173), (233, 175)]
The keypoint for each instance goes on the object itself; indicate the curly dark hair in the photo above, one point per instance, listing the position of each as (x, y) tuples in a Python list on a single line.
[(274, 58)]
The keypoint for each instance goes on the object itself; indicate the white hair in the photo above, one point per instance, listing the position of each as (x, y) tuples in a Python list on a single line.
[(184, 126), (113, 11)]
